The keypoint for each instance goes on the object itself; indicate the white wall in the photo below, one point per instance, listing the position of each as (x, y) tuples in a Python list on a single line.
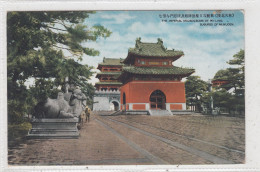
[(102, 105)]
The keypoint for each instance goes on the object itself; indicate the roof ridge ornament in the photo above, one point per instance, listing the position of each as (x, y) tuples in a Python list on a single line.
[(160, 41), (137, 41)]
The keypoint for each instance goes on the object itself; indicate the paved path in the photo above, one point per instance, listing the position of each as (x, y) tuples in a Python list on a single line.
[(95, 146), (220, 136), (136, 140), (148, 155), (202, 154)]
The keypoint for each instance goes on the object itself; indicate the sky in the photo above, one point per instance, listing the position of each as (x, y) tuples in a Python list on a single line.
[(206, 48)]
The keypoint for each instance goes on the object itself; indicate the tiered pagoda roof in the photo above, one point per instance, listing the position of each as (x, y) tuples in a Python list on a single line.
[(115, 74), (151, 51), (156, 50), (110, 62), (158, 70), (143, 50)]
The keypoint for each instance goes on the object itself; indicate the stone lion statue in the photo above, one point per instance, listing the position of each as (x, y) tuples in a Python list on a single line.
[(60, 108)]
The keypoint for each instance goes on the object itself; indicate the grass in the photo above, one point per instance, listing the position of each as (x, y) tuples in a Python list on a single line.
[(17, 133)]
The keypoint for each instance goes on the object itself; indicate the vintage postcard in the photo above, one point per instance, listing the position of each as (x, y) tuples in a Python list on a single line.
[(127, 89)]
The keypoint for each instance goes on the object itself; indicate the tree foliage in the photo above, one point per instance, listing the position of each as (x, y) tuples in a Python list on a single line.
[(235, 75), (229, 96), (195, 87), (47, 47)]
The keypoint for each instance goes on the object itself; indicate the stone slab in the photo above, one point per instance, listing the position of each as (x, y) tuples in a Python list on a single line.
[(56, 120), (54, 128), (160, 113)]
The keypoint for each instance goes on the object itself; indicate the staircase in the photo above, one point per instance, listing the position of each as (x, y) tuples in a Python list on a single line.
[(160, 112)]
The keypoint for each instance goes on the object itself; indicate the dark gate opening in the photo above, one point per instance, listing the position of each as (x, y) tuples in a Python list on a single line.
[(124, 99), (158, 100), (124, 102), (116, 105)]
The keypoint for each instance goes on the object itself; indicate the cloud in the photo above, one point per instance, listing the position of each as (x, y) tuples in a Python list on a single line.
[(207, 56), (153, 28), (118, 18), (206, 49)]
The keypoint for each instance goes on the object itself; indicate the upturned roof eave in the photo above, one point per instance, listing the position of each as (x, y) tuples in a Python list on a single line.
[(156, 70), (124, 73), (116, 75), (100, 65), (164, 74), (131, 54)]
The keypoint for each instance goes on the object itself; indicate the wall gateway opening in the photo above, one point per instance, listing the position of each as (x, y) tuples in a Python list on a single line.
[(114, 106), (158, 100)]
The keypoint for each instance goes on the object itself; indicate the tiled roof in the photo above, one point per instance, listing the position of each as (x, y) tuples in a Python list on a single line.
[(158, 70), (153, 49), (109, 73), (109, 83), (114, 74), (111, 62)]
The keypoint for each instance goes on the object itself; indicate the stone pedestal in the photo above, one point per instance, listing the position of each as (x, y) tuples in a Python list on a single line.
[(54, 128)]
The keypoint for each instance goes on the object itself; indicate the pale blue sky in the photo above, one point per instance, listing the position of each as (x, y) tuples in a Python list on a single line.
[(206, 48)]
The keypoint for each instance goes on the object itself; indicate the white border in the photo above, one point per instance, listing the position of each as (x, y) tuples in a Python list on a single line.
[(252, 70)]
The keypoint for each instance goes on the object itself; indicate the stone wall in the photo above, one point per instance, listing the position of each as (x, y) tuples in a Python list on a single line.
[(103, 100)]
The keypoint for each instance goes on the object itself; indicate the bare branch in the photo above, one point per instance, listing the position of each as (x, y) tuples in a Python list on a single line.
[(57, 28)]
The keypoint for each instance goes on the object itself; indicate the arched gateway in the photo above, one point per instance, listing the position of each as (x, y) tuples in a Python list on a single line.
[(114, 105), (158, 100)]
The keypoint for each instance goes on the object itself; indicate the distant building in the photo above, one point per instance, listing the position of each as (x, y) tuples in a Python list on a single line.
[(221, 79), (150, 80), (219, 82), (107, 94)]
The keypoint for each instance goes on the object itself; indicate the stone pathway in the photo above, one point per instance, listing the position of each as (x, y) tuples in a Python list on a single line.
[(186, 133), (140, 140), (202, 154), (95, 146)]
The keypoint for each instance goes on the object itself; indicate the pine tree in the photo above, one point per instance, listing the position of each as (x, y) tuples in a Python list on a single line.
[(48, 47), (231, 94), (195, 87)]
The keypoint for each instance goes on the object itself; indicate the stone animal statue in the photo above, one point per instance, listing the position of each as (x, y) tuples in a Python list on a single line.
[(54, 108), (76, 102), (66, 105)]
